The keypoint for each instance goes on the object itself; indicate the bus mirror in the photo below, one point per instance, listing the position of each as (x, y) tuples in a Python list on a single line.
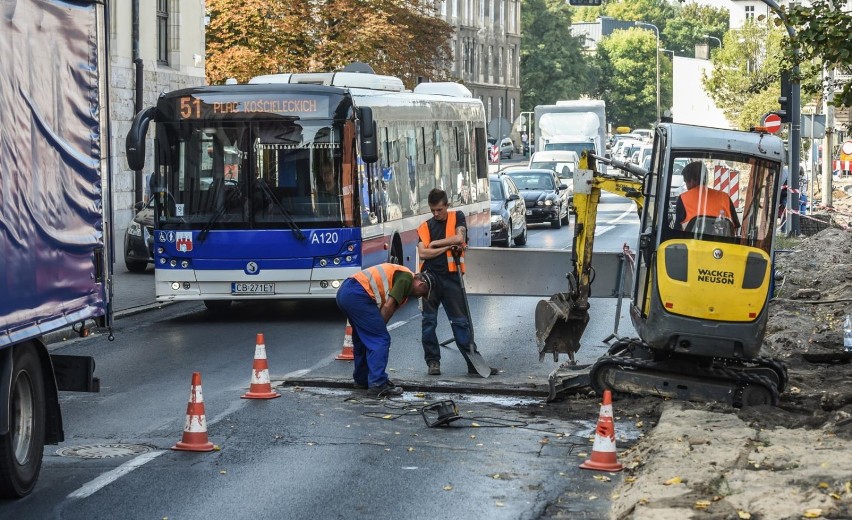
[(367, 126), (369, 147), (135, 142)]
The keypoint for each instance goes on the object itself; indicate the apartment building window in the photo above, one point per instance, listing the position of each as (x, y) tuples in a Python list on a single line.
[(749, 12), (502, 14), (487, 13), (483, 63), (510, 67), (163, 31), (481, 12), (443, 8), (497, 63), (468, 12), (455, 9)]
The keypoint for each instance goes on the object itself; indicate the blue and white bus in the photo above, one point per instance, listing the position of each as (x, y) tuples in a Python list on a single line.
[(284, 187)]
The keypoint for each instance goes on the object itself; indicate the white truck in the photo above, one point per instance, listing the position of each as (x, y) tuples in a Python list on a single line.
[(54, 203), (575, 125)]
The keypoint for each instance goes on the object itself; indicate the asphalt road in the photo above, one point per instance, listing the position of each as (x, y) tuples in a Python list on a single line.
[(326, 450)]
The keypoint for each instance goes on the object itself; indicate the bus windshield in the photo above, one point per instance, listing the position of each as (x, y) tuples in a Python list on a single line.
[(253, 175)]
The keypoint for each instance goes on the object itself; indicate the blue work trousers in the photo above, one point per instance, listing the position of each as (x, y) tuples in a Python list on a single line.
[(370, 337), (449, 294)]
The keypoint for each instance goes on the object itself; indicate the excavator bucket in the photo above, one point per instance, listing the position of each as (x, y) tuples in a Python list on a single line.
[(559, 325)]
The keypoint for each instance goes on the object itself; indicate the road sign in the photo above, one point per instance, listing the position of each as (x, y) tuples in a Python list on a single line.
[(813, 126), (494, 154), (772, 122)]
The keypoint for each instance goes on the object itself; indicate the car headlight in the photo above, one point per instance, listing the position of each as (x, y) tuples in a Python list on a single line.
[(134, 229), (496, 219), (548, 203)]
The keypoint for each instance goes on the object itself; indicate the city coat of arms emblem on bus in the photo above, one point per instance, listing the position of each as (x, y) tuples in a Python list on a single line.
[(184, 242)]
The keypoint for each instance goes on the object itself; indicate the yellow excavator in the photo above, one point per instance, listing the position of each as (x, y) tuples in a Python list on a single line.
[(700, 277)]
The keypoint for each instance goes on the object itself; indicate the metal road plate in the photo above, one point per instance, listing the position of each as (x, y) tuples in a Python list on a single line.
[(536, 272)]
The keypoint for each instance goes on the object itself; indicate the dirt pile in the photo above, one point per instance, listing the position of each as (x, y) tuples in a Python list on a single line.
[(790, 461)]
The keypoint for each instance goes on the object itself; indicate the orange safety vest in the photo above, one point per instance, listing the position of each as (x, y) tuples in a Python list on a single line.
[(426, 238), (378, 280), (704, 201)]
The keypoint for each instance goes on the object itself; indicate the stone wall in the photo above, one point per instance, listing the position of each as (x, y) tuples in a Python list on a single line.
[(122, 84)]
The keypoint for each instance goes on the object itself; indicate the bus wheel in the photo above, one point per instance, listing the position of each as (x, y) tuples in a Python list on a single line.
[(217, 305), (22, 447)]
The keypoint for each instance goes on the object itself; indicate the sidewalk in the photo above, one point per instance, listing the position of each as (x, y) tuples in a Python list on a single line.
[(129, 290)]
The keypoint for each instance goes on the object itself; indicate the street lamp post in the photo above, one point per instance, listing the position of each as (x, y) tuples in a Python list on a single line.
[(657, 56), (712, 38)]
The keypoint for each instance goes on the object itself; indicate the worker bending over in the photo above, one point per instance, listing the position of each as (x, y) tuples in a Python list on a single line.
[(369, 299)]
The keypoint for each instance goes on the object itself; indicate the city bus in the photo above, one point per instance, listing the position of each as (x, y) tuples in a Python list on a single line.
[(283, 187)]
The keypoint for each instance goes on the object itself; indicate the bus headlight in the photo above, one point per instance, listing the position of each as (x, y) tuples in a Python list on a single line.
[(337, 261), (335, 283), (184, 264), (324, 284), (175, 286), (323, 262)]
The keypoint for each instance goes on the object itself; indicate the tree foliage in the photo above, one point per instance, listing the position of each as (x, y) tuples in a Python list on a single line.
[(629, 77), (745, 82), (690, 25), (822, 34), (402, 38), (552, 63)]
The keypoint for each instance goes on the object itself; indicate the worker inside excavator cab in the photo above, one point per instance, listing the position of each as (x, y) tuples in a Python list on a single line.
[(701, 210)]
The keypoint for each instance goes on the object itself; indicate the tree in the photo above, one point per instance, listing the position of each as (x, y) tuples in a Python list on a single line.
[(403, 38), (551, 60), (691, 23), (746, 71), (657, 12), (822, 34), (629, 77)]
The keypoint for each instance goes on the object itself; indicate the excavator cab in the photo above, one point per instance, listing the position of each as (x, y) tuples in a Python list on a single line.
[(703, 273)]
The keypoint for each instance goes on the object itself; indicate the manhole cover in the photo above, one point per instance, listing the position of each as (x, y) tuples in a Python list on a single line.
[(104, 451)]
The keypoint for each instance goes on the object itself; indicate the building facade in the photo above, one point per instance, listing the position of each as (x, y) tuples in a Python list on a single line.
[(170, 49), (486, 56)]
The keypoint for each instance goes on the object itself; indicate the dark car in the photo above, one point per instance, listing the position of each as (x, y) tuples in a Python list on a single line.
[(139, 239), (508, 212), (544, 194)]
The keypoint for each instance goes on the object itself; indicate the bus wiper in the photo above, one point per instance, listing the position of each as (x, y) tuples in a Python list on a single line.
[(231, 195), (297, 231)]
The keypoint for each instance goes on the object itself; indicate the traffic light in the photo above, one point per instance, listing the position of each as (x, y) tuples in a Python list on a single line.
[(786, 97), (584, 3)]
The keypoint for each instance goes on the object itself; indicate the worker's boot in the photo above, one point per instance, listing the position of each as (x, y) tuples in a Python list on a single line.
[(434, 368)]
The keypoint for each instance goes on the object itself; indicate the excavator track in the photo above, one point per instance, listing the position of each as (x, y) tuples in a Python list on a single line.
[(631, 368)]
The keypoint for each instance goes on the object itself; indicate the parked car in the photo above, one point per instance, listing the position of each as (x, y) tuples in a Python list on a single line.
[(508, 212), (139, 239), (545, 197), (507, 147)]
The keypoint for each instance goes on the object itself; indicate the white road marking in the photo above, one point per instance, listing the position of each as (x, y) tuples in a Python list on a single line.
[(109, 477)]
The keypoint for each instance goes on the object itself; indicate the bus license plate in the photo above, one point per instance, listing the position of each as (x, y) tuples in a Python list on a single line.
[(252, 288)]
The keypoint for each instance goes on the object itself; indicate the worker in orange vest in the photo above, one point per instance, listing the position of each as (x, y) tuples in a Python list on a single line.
[(369, 299), (700, 200), (439, 236)]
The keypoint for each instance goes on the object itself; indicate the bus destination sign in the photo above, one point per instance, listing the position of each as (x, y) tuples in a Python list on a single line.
[(192, 107)]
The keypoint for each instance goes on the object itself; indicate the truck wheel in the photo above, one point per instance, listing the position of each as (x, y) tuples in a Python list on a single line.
[(21, 449)]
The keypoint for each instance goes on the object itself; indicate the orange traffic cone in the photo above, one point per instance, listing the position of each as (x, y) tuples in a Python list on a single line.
[(260, 387), (195, 429), (603, 452), (347, 353)]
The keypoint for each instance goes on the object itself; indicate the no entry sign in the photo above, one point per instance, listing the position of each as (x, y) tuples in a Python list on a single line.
[(772, 122)]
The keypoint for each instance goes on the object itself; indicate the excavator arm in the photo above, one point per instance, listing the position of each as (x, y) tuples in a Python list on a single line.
[(561, 320)]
